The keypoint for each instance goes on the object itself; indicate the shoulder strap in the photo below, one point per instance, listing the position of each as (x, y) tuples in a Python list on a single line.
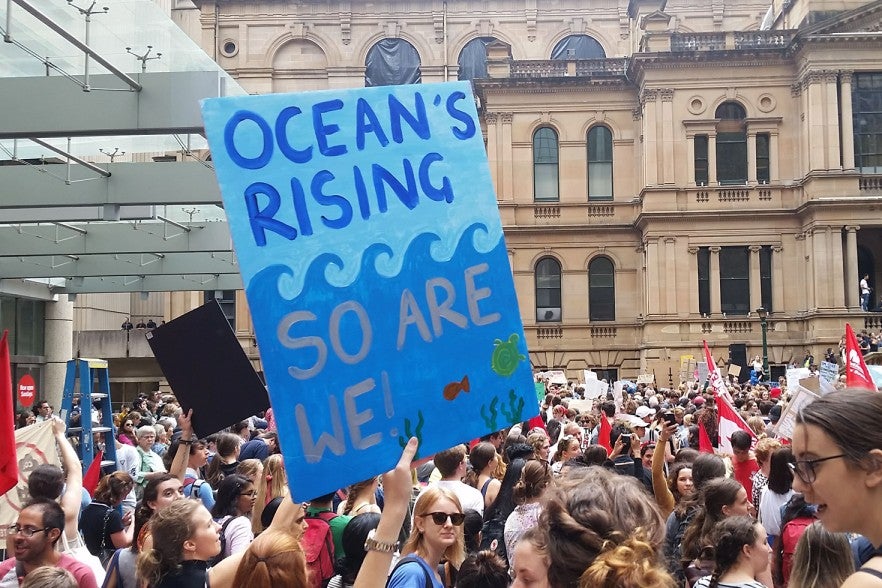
[(411, 559), (872, 572)]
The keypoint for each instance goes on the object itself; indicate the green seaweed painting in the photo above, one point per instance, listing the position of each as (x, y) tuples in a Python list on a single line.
[(415, 432)]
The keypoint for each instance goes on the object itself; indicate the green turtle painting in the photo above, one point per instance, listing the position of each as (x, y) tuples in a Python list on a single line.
[(506, 356)]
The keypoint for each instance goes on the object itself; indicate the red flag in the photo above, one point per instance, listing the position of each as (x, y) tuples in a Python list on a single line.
[(535, 422), (93, 474), (730, 421), (603, 434), (856, 373), (704, 442), (8, 459), (716, 379)]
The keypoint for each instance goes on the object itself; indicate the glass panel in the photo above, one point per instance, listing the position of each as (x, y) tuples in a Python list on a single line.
[(704, 280), (601, 290), (867, 121), (730, 111), (600, 181), (735, 280), (762, 158), (701, 163), (732, 158), (545, 146), (548, 295), (765, 259), (545, 188)]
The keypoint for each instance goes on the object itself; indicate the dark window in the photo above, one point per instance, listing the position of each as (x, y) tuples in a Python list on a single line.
[(600, 164), (765, 259), (578, 47), (735, 280), (701, 164), (608, 374), (601, 290), (548, 291), (25, 321), (866, 104), (392, 62), (473, 59), (227, 301), (731, 144), (763, 175), (545, 180), (704, 306)]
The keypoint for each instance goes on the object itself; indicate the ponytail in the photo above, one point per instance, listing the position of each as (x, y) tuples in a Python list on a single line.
[(630, 564)]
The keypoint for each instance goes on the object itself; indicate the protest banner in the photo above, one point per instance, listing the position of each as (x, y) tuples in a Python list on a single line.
[(556, 377), (589, 375), (371, 249), (34, 445)]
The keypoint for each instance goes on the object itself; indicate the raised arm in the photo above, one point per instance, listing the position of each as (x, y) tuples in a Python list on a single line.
[(73, 491), (663, 495), (397, 489), (178, 466)]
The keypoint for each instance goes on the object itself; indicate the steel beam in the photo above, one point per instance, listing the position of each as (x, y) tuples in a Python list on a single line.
[(121, 264), (54, 107), (116, 237), (23, 186), (150, 284)]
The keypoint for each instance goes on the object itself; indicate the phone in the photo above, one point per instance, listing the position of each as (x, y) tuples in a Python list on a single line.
[(626, 439), (670, 418)]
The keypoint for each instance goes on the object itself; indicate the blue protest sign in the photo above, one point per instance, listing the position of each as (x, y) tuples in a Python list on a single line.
[(370, 246)]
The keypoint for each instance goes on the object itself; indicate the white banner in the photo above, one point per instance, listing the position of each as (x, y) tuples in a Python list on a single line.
[(595, 389), (34, 445), (799, 397)]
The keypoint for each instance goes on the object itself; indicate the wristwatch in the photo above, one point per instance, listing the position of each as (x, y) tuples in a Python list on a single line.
[(371, 544)]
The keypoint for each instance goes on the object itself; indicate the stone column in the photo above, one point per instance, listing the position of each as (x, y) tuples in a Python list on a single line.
[(852, 295), (693, 281), (670, 271), (58, 349), (777, 279), (505, 155), (773, 158), (836, 277), (816, 127), (493, 159), (652, 276), (715, 282), (831, 120), (756, 297), (650, 136), (667, 97), (712, 159), (820, 275), (845, 78), (690, 159)]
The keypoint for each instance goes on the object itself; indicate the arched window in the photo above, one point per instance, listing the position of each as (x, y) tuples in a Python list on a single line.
[(392, 62), (601, 290), (731, 144), (578, 47), (548, 290), (473, 59), (545, 180), (600, 164)]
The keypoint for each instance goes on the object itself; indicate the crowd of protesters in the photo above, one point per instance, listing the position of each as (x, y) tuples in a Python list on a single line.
[(632, 491)]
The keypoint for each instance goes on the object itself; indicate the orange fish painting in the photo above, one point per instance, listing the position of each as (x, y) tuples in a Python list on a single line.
[(453, 389)]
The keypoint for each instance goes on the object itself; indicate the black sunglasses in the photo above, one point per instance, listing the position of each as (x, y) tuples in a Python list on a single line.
[(439, 518)]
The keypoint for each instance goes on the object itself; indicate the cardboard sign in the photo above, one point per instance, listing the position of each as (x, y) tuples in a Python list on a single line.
[(588, 375), (703, 371), (371, 250), (540, 391), (34, 445), (646, 378), (596, 389), (556, 377), (794, 375), (734, 370), (207, 369), (829, 371), (799, 397)]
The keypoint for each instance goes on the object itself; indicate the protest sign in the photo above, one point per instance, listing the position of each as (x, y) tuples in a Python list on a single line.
[(370, 246), (734, 369), (540, 391), (646, 378), (34, 445), (596, 388), (589, 375), (799, 398), (207, 369), (556, 377), (703, 372), (829, 371), (794, 375)]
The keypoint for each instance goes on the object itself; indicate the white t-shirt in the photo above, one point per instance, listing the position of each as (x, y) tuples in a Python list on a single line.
[(770, 510), (469, 498), (128, 461)]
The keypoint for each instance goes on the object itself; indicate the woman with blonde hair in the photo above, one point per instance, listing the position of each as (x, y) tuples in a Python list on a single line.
[(49, 577), (437, 536), (274, 559), (360, 498), (274, 483), (569, 447), (251, 469), (822, 559), (540, 444)]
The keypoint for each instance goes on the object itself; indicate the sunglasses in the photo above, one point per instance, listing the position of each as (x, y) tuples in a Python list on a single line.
[(439, 518)]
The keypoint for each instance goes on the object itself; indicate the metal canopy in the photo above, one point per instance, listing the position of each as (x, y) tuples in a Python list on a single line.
[(108, 218)]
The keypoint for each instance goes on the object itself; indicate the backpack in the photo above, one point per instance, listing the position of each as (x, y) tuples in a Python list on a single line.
[(192, 486), (318, 547), (790, 535), (221, 555), (410, 559)]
